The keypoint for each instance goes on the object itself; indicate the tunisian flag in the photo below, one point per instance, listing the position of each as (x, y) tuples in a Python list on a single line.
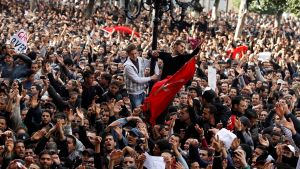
[(121, 29), (239, 50), (164, 91)]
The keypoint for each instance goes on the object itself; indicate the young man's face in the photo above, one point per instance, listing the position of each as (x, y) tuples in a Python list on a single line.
[(195, 165), (204, 155), (113, 89), (8, 59), (3, 125), (46, 117), (180, 48), (242, 106), (128, 162), (109, 143), (46, 160), (133, 54)]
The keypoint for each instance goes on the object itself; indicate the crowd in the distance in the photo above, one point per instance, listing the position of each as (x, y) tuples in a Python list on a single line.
[(73, 99)]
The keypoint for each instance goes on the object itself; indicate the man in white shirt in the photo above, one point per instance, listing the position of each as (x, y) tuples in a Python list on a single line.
[(135, 79)]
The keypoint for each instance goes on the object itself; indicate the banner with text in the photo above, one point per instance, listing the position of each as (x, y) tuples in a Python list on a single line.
[(19, 41)]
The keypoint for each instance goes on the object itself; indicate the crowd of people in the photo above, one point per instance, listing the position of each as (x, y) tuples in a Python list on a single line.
[(73, 99)]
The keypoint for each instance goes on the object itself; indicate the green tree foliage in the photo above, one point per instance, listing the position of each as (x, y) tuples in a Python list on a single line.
[(270, 7), (294, 7), (89, 9), (236, 4)]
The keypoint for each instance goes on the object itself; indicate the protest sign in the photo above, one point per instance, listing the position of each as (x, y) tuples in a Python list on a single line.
[(226, 137), (154, 162), (264, 56), (19, 41), (212, 77)]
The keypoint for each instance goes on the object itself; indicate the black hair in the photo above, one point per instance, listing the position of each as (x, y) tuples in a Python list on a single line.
[(48, 111), (38, 87), (114, 83), (68, 61), (247, 149), (210, 152), (19, 141), (107, 76), (178, 42), (130, 48), (163, 145), (237, 100), (44, 152), (250, 113), (212, 109), (191, 112), (177, 135), (29, 73), (60, 115), (87, 74), (72, 137), (283, 166), (30, 146)]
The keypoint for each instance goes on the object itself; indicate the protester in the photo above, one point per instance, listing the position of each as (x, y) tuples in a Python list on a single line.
[(134, 70), (74, 98)]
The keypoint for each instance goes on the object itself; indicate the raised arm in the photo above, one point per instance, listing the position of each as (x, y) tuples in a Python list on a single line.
[(132, 75)]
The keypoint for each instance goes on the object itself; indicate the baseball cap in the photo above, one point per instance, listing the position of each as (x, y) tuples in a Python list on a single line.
[(291, 148), (136, 132)]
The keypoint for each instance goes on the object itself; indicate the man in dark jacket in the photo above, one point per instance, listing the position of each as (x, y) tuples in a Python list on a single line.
[(15, 66), (90, 89), (175, 60)]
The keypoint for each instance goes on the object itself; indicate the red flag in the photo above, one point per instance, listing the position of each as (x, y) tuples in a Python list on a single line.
[(121, 29), (164, 91), (239, 50)]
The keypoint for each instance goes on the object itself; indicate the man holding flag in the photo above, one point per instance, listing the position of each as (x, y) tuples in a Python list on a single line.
[(178, 69), (175, 60)]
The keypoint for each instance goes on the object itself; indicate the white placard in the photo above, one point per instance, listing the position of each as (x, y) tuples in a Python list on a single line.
[(154, 162), (212, 77), (264, 56), (226, 137), (19, 41)]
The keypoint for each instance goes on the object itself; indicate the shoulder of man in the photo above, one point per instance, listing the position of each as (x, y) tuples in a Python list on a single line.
[(127, 62)]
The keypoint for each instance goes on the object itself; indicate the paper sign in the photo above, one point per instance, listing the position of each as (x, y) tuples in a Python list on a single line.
[(212, 77), (19, 41), (154, 162), (226, 137), (264, 56)]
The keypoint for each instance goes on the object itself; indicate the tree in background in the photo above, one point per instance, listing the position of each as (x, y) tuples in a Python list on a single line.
[(294, 7), (267, 7), (214, 15), (241, 18), (197, 6), (89, 10), (271, 7)]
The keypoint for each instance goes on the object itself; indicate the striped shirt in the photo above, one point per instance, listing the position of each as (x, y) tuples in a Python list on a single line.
[(135, 79)]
